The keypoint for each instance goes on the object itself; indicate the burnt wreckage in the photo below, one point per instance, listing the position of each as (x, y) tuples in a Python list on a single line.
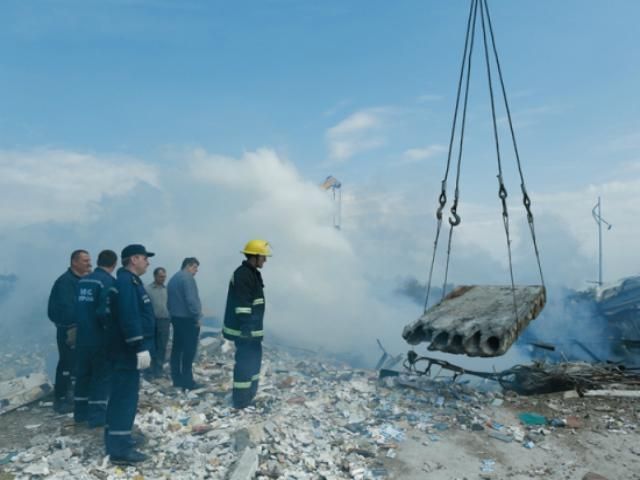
[(606, 326)]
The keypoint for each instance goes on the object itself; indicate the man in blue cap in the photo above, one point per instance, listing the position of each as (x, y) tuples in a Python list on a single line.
[(92, 365), (130, 334)]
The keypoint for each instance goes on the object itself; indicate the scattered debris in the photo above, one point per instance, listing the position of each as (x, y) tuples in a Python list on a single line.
[(540, 377), (529, 418), (593, 476), (247, 465), (22, 391), (613, 393), (312, 419), (487, 465), (501, 436)]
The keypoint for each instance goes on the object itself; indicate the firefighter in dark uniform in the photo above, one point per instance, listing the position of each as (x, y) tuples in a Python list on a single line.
[(243, 319), (130, 342), (61, 311), (92, 366)]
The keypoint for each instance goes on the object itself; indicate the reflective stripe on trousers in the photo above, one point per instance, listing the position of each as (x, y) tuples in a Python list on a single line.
[(246, 371), (121, 411), (238, 333)]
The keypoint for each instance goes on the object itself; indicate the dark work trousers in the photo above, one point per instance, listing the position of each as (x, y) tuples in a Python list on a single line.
[(159, 358), (246, 371), (121, 410), (64, 370), (92, 385), (185, 343)]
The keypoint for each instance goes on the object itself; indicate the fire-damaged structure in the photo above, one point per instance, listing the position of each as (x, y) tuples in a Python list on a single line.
[(600, 324), (537, 378), (614, 313), (479, 321), (619, 306)]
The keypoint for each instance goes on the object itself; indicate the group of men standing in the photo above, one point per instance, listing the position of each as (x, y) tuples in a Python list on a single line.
[(110, 329)]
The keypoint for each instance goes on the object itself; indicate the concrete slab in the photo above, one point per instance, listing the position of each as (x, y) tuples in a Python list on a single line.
[(477, 320)]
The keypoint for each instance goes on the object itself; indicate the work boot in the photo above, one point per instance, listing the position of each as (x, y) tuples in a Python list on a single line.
[(80, 420), (241, 405), (193, 386), (79, 423), (137, 439), (63, 407), (129, 458)]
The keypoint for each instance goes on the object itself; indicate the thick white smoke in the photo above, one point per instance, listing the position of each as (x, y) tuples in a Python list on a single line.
[(326, 289)]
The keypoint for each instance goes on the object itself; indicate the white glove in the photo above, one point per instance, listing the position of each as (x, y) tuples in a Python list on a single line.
[(144, 360)]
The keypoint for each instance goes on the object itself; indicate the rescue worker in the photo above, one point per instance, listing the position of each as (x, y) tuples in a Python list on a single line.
[(130, 341), (243, 319), (61, 311), (157, 290), (92, 366), (185, 309)]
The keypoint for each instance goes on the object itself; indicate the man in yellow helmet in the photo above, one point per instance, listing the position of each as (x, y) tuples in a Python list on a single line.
[(243, 321)]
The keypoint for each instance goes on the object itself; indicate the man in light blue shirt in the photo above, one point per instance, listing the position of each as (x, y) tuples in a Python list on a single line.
[(185, 310)]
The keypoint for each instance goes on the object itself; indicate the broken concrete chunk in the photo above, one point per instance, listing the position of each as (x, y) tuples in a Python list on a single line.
[(241, 439), (593, 476), (501, 436), (246, 467), (40, 468), (58, 459), (23, 390), (477, 320)]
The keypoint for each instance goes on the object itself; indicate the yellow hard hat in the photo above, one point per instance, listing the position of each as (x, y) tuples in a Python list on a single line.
[(257, 247)]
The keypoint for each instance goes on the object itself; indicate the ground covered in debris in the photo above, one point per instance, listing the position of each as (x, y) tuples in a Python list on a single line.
[(316, 419)]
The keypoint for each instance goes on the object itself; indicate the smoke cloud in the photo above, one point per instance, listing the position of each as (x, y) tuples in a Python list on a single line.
[(326, 289)]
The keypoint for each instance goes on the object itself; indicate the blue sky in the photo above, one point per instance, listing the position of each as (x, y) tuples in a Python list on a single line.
[(138, 77), (191, 126)]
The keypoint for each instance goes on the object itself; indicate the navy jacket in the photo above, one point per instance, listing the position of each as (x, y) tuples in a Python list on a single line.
[(131, 328), (92, 291), (62, 300), (244, 313)]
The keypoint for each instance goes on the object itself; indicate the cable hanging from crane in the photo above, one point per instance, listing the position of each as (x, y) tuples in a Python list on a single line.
[(455, 219)]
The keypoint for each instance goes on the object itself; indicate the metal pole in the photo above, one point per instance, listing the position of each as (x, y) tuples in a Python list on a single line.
[(599, 243), (597, 216), (340, 208)]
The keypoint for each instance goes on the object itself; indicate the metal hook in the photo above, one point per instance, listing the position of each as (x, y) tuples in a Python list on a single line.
[(455, 221)]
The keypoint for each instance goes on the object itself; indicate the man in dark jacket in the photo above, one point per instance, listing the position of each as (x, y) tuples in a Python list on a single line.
[(185, 309), (130, 341), (243, 318), (92, 365), (61, 311)]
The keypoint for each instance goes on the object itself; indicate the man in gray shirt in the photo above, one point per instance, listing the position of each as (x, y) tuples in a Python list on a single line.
[(158, 293), (185, 310)]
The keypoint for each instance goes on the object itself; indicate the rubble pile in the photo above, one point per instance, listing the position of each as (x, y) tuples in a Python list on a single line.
[(312, 419)]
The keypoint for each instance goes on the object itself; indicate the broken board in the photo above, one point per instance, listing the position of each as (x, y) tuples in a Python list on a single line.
[(23, 390), (477, 320)]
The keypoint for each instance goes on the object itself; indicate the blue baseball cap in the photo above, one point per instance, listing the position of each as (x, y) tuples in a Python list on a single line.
[(135, 249)]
